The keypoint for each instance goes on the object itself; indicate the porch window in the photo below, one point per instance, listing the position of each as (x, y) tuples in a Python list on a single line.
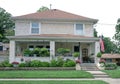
[(35, 28), (79, 29), (31, 47)]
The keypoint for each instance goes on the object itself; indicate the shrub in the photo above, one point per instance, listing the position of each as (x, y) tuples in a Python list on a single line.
[(53, 63), (69, 63), (28, 63), (60, 62), (22, 65), (110, 66), (5, 64), (76, 54), (35, 63), (45, 64), (99, 54)]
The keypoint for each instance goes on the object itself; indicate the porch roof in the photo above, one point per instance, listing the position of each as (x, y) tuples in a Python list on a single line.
[(53, 37), (108, 56)]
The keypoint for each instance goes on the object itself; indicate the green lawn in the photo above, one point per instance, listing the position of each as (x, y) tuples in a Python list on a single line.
[(45, 74), (113, 73), (55, 82)]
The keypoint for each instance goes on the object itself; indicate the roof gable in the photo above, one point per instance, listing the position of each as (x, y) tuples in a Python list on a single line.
[(54, 14)]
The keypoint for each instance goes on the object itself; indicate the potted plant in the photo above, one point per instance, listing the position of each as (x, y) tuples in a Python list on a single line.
[(99, 54), (36, 52), (15, 64), (44, 52), (63, 51), (27, 52), (76, 55)]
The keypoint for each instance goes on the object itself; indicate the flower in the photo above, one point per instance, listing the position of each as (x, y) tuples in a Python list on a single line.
[(78, 61), (102, 61), (15, 62)]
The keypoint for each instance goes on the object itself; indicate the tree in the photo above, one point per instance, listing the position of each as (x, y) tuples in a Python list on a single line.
[(95, 33), (5, 23), (43, 8), (109, 45)]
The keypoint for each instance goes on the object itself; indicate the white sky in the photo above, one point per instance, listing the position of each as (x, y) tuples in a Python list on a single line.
[(106, 11)]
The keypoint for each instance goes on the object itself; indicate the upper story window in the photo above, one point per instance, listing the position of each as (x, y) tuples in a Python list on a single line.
[(79, 29), (35, 28)]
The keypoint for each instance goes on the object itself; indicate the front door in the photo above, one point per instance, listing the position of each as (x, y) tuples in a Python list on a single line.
[(85, 57)]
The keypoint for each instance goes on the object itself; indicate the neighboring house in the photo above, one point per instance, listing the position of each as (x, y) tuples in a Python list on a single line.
[(54, 29), (111, 58)]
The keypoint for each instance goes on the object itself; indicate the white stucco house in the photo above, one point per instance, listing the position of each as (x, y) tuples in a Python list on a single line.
[(54, 29)]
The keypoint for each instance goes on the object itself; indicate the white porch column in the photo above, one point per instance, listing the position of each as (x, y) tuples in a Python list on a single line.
[(97, 49), (52, 49), (12, 51)]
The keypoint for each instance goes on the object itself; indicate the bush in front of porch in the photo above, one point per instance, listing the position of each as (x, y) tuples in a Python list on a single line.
[(54, 63)]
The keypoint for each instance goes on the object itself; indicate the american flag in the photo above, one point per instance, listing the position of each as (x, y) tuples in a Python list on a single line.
[(102, 44)]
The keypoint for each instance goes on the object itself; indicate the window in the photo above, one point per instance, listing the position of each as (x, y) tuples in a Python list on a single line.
[(79, 29), (35, 28), (31, 47)]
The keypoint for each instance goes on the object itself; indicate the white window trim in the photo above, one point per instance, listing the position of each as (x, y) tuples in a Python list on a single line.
[(31, 27), (83, 29)]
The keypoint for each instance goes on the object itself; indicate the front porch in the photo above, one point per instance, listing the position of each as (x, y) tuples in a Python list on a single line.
[(88, 48)]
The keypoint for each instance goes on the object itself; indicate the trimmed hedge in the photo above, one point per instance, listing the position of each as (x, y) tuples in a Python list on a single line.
[(110, 66)]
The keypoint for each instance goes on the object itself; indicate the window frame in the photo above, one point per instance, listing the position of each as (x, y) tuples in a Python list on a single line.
[(75, 30), (39, 27)]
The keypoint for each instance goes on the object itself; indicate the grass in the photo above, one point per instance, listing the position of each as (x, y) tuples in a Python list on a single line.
[(55, 82), (45, 74), (113, 73)]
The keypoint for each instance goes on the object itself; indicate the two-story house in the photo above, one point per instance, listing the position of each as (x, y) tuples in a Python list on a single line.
[(54, 29)]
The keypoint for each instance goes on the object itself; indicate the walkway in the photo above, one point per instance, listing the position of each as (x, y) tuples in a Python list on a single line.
[(108, 80)]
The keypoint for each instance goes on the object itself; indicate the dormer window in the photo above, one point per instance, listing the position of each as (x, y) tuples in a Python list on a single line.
[(35, 28), (79, 29)]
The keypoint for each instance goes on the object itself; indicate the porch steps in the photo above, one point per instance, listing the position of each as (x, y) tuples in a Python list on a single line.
[(89, 67), (99, 74)]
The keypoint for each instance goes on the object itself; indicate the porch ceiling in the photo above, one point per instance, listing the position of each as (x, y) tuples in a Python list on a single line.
[(56, 37)]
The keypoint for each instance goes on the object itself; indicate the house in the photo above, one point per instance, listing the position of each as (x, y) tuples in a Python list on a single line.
[(54, 29), (4, 48), (111, 58)]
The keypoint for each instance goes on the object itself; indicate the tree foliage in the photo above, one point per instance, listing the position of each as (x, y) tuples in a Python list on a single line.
[(109, 45), (117, 32), (95, 33), (5, 23), (43, 8)]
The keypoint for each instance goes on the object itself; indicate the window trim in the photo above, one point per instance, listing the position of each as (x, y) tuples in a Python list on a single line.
[(76, 31), (31, 27)]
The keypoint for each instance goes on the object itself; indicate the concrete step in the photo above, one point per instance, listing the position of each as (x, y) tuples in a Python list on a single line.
[(101, 76)]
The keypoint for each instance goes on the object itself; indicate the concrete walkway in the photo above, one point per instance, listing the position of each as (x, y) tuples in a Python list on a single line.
[(99, 75), (108, 80)]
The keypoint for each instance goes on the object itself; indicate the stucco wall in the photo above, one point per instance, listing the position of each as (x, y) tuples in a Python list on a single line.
[(23, 28), (57, 28)]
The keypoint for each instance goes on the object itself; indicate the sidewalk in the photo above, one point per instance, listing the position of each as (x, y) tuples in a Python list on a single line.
[(108, 80)]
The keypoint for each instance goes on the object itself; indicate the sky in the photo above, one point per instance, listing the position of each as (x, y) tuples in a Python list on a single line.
[(106, 11)]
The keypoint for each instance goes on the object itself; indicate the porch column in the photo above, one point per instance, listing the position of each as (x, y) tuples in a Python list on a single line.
[(97, 49), (12, 51), (52, 49)]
